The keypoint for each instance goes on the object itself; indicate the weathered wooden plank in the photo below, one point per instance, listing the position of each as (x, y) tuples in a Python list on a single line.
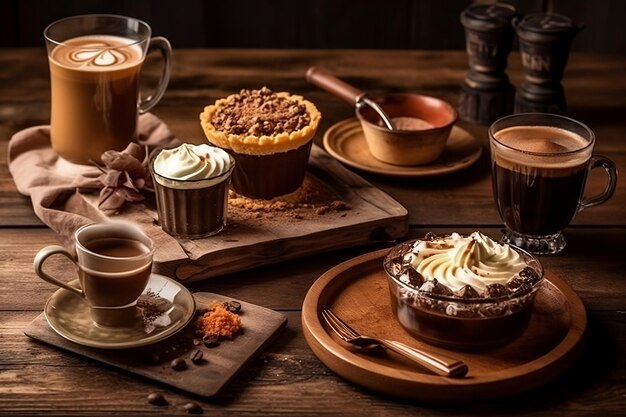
[(38, 377)]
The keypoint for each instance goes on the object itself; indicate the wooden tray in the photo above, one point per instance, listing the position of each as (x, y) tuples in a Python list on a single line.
[(254, 239), (259, 327), (357, 291)]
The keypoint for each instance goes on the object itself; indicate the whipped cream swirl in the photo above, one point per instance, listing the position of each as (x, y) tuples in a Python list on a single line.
[(475, 260), (192, 162)]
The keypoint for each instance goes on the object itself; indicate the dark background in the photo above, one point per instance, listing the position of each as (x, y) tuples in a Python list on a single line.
[(302, 24)]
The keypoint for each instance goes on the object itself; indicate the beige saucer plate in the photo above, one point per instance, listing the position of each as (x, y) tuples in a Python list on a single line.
[(69, 316), (345, 141)]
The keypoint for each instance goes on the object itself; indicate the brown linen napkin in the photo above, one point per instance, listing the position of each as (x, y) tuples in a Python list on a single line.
[(62, 192)]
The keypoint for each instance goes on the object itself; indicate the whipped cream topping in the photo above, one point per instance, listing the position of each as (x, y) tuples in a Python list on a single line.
[(192, 162), (456, 261)]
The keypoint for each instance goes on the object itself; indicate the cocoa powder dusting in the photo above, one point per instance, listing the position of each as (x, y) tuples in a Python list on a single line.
[(313, 198)]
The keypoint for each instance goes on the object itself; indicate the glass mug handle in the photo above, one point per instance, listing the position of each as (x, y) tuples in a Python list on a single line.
[(41, 257), (611, 170), (165, 49)]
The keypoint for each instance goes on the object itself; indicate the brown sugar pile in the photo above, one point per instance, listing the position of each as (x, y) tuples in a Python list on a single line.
[(218, 321), (313, 198)]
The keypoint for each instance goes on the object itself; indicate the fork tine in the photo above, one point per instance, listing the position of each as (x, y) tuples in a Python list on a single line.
[(348, 331), (334, 326)]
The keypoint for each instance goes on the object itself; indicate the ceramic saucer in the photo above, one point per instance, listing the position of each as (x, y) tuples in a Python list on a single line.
[(345, 141), (69, 316)]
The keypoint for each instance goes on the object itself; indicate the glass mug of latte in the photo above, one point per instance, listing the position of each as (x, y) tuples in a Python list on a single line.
[(95, 62), (539, 165), (114, 261)]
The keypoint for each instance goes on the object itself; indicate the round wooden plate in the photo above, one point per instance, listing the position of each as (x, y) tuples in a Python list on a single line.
[(357, 291), (345, 141)]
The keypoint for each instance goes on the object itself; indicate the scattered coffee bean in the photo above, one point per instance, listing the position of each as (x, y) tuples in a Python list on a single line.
[(193, 408), (196, 356), (178, 364), (233, 306), (156, 398), (210, 340)]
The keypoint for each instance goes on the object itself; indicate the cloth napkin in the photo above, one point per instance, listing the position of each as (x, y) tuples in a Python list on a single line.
[(65, 195)]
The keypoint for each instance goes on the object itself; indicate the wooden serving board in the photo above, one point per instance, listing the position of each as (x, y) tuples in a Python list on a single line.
[(259, 327), (357, 291), (257, 238)]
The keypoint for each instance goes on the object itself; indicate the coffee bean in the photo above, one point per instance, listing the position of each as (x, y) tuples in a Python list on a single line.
[(193, 408), (233, 306), (156, 398), (196, 356), (196, 342), (178, 364), (210, 340)]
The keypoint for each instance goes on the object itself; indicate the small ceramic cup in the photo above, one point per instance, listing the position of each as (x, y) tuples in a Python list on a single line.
[(417, 146), (114, 261)]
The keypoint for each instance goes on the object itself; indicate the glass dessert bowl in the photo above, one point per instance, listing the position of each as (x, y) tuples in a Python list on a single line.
[(462, 291)]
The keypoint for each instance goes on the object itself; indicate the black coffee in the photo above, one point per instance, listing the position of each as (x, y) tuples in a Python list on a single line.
[(538, 193)]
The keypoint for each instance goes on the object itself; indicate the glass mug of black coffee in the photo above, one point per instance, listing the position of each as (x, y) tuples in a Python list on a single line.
[(114, 261), (95, 66), (540, 163)]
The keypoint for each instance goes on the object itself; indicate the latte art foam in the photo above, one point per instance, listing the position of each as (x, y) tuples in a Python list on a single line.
[(97, 53)]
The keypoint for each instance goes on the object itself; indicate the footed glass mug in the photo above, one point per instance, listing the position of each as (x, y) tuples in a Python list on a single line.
[(540, 164), (95, 62)]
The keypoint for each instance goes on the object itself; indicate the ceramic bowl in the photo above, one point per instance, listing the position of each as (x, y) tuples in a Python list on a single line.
[(408, 147)]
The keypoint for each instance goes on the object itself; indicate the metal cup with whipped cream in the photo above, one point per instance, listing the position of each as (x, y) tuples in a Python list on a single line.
[(191, 187), (462, 291)]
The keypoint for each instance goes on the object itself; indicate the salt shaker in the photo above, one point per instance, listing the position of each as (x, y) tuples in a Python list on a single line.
[(486, 93), (544, 40)]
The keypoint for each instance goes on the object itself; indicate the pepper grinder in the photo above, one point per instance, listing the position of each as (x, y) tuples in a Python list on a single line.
[(545, 40), (486, 93)]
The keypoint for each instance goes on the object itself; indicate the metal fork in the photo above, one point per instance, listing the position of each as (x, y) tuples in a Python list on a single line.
[(440, 365)]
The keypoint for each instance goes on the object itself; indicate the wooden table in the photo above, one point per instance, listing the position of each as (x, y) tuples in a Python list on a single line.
[(287, 378)]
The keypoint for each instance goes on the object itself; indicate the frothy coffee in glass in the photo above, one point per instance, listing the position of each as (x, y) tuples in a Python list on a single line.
[(540, 163), (94, 82), (538, 192)]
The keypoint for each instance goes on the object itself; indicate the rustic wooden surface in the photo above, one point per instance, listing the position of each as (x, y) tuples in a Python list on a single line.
[(287, 378)]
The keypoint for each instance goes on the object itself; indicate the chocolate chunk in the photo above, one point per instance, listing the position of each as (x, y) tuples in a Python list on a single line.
[(434, 287), (430, 236), (192, 408), (412, 277), (467, 291), (530, 274), (518, 284), (178, 364), (233, 306), (196, 356), (210, 340), (496, 290)]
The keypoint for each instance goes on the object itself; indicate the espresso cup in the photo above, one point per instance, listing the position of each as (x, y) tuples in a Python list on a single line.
[(95, 64), (540, 164), (114, 263)]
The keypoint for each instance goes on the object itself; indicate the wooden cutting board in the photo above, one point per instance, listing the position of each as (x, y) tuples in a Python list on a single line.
[(254, 238), (260, 326)]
